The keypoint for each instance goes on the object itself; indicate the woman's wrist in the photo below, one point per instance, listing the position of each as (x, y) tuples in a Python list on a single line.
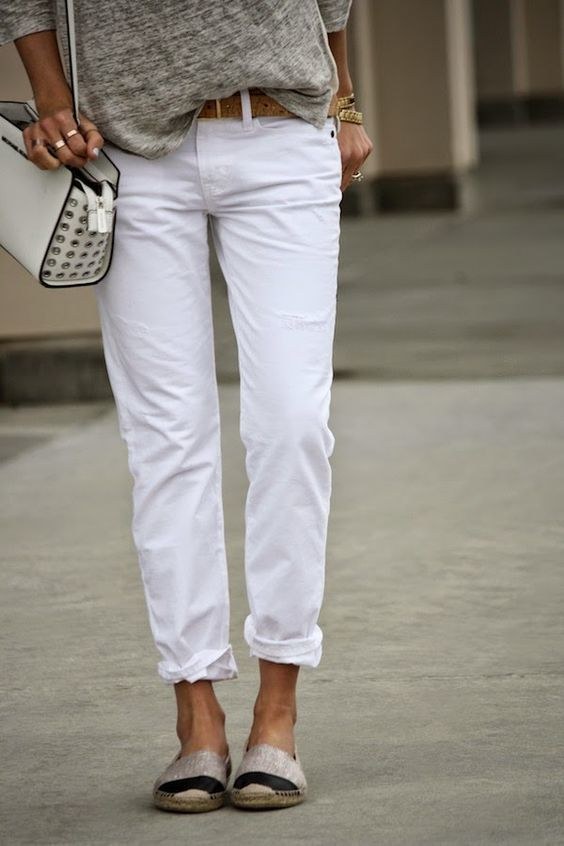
[(346, 88), (49, 102)]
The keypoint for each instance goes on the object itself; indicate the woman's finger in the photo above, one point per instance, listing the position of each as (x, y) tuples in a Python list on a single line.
[(350, 166), (72, 135), (36, 148), (93, 138), (347, 177), (52, 127), (94, 143), (353, 163)]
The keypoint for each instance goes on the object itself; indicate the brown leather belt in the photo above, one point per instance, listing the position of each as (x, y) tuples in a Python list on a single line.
[(261, 106)]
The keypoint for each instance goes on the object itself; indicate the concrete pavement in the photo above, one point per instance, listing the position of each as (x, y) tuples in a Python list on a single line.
[(436, 715)]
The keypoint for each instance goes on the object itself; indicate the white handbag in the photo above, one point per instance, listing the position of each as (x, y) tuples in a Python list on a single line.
[(59, 224)]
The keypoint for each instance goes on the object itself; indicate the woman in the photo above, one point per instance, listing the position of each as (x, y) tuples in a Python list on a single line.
[(241, 115)]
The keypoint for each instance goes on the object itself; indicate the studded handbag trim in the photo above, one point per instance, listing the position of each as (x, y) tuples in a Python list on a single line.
[(79, 253)]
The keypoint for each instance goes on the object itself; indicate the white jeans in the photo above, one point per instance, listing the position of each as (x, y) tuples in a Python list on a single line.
[(271, 188)]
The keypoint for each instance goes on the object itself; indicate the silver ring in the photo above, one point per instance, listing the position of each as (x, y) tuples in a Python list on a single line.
[(358, 176), (71, 132)]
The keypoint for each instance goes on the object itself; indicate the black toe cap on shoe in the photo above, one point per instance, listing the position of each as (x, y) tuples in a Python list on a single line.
[(267, 779), (179, 785)]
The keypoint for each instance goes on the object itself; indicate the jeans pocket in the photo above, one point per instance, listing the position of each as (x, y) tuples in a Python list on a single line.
[(327, 134)]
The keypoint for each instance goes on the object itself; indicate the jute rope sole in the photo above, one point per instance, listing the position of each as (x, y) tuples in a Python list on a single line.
[(266, 799), (191, 805)]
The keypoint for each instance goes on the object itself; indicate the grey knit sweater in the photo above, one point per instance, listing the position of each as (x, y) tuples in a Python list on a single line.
[(145, 69)]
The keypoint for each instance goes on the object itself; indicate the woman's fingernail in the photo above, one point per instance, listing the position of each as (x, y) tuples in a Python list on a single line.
[(95, 152)]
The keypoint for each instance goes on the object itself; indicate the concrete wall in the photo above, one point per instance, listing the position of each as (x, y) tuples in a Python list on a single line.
[(543, 38), (494, 58), (519, 47), (412, 85), (415, 77)]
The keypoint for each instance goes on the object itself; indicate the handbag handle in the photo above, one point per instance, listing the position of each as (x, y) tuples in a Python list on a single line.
[(71, 38)]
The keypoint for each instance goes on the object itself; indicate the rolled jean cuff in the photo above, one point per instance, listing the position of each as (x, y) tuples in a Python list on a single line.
[(209, 664), (305, 652)]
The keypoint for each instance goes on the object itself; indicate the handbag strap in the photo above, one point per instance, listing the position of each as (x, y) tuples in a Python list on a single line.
[(71, 37)]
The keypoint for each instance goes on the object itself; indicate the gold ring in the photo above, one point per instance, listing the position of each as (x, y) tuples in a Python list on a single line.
[(71, 132), (60, 143), (37, 142)]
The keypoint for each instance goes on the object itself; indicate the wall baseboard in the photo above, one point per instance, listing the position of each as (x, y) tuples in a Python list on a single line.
[(439, 191), (520, 111)]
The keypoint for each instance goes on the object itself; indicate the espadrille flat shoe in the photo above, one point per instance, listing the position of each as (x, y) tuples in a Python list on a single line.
[(193, 783), (268, 777)]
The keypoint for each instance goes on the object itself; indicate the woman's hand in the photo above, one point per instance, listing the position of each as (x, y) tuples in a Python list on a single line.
[(53, 125), (39, 53), (355, 146)]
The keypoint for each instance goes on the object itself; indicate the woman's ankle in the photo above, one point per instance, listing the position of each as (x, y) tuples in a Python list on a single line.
[(200, 720), (274, 725), (200, 717), (267, 708), (203, 733), (276, 697)]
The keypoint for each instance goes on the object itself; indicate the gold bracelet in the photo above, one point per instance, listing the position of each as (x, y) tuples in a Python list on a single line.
[(350, 116), (345, 102)]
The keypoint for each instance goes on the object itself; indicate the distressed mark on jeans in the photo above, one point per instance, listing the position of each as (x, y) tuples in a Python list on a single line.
[(310, 322)]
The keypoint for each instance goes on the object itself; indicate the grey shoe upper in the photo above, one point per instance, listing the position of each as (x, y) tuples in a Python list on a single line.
[(202, 763), (264, 758)]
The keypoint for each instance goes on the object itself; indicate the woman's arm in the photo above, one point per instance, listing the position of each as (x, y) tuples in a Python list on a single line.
[(39, 53), (338, 45), (354, 143)]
